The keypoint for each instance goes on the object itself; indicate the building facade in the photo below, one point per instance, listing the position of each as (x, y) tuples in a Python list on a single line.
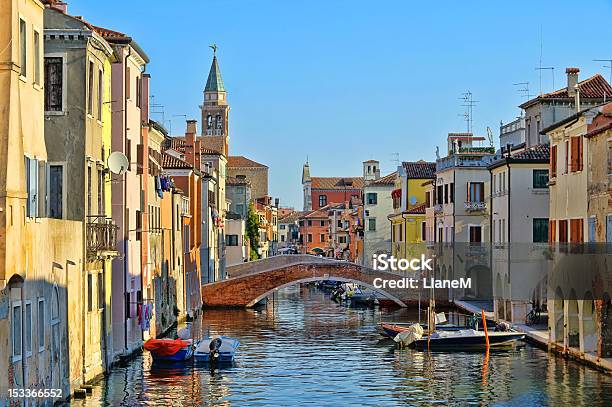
[(321, 191)]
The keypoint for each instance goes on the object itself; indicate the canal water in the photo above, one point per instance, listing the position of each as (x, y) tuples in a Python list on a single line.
[(305, 349)]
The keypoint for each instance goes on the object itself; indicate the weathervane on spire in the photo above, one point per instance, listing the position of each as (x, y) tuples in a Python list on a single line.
[(214, 48)]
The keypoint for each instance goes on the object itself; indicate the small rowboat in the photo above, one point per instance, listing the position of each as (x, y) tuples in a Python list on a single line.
[(221, 349), (170, 350), (392, 329)]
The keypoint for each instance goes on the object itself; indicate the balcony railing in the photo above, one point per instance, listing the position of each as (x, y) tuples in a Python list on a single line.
[(474, 206), (101, 237), (438, 208)]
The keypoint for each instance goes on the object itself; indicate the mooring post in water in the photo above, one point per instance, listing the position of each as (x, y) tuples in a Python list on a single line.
[(484, 323)]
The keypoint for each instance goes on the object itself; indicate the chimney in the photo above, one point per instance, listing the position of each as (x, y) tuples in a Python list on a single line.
[(59, 6), (190, 136), (572, 80)]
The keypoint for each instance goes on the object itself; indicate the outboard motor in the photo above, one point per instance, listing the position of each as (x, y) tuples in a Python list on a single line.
[(214, 347)]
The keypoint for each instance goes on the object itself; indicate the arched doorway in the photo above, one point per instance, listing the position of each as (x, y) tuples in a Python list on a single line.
[(573, 321), (589, 327), (558, 313)]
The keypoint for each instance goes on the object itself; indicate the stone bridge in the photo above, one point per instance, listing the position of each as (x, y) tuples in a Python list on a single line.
[(248, 283)]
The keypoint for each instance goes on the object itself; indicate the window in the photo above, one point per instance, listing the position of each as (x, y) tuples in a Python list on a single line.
[(322, 223), (310, 238), (371, 198), (101, 290), (553, 161), (475, 234), (592, 228), (101, 209), (540, 230), (576, 153), (445, 193), (452, 192), (23, 48), (567, 154), (32, 186), (322, 200), (540, 178), (322, 238), (342, 239), (41, 324), (90, 88), (282, 238), (563, 231), (576, 230), (100, 93), (339, 223), (54, 84), (232, 240), (28, 328), (475, 192), (427, 199), (89, 292), (439, 194), (138, 91), (128, 82), (240, 208), (309, 223), (424, 231), (36, 57), (89, 190), (372, 224), (282, 227), (56, 191), (17, 327), (609, 229)]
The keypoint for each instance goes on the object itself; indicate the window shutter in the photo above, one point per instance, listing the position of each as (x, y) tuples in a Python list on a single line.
[(580, 155), (33, 188), (553, 161), (481, 192), (42, 189), (467, 197), (139, 158)]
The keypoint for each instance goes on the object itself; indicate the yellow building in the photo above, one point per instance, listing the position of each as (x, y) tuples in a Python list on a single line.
[(408, 226), (40, 255)]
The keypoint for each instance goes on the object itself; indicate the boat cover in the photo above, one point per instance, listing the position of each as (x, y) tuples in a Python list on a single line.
[(413, 333), (165, 347), (227, 345)]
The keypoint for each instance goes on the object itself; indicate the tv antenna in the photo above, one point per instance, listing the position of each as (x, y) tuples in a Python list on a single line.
[(606, 66), (468, 103), (524, 89), (546, 68), (396, 159)]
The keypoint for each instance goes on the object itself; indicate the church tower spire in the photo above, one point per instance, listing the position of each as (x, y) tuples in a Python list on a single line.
[(215, 110)]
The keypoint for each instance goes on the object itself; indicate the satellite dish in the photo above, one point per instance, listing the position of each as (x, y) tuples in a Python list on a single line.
[(118, 163), (413, 200)]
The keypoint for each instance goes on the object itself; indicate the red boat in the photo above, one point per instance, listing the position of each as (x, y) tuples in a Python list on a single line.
[(169, 350)]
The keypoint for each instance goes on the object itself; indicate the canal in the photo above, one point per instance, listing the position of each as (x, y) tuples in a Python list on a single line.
[(305, 349)]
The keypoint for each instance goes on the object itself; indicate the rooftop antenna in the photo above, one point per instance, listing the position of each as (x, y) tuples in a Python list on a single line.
[(606, 66), (468, 103), (552, 70), (177, 115), (524, 89), (396, 159)]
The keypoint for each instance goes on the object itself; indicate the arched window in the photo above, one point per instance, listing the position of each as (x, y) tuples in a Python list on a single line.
[(219, 121), (209, 121)]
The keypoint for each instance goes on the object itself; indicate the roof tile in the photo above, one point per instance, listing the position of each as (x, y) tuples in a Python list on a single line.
[(420, 169)]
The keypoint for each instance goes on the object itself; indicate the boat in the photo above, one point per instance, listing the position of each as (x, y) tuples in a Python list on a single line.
[(221, 349), (170, 350), (466, 339), (391, 330)]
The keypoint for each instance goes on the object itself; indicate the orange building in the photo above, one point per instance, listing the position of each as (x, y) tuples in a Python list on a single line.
[(314, 231)]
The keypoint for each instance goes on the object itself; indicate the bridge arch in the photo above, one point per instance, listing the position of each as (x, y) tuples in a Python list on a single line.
[(334, 278), (248, 283)]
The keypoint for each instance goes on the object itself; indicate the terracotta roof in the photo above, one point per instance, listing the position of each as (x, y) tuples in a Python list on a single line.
[(386, 180), (106, 33), (419, 169), (239, 161), (291, 218), (417, 210), (337, 183), (172, 162), (540, 152), (595, 87), (599, 130), (236, 181)]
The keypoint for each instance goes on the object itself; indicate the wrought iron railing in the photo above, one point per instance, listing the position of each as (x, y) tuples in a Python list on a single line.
[(101, 235), (473, 206)]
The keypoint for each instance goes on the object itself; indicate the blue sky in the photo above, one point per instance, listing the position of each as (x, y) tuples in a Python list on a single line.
[(346, 81)]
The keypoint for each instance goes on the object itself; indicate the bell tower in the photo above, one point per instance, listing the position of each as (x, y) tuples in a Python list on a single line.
[(215, 110)]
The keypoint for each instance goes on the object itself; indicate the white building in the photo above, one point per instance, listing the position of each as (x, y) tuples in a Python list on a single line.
[(236, 251), (519, 221), (378, 205)]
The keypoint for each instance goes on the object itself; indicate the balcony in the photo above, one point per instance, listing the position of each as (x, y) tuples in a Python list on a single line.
[(101, 235), (438, 208), (475, 206)]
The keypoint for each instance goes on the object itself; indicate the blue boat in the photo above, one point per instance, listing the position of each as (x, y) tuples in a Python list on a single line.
[(221, 349)]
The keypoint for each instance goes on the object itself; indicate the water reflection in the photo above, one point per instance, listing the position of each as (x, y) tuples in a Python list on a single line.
[(305, 349)]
